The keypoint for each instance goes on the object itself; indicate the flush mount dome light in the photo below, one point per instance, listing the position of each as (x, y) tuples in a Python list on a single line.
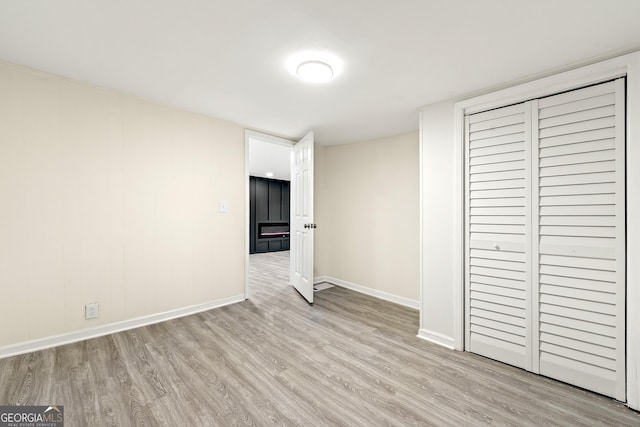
[(314, 71), (314, 66)]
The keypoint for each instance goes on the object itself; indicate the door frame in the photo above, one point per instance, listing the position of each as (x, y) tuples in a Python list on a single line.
[(270, 139), (626, 65)]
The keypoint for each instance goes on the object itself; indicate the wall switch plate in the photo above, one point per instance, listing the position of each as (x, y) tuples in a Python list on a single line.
[(91, 311), (223, 206)]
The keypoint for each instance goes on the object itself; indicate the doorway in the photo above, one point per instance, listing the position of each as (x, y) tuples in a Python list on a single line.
[(268, 163)]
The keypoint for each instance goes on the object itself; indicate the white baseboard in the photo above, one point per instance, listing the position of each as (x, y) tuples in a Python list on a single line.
[(368, 291), (436, 338), (84, 334)]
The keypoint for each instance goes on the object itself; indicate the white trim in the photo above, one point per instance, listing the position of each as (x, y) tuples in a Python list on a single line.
[(628, 65), (437, 338), (248, 136), (247, 213), (633, 233), (407, 302), (465, 267), (264, 137), (421, 239), (458, 232), (568, 80), (111, 328)]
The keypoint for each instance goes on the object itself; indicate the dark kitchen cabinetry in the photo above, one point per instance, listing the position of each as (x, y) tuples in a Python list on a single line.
[(269, 215)]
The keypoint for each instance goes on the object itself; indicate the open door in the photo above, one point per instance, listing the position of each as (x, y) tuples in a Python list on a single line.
[(302, 226)]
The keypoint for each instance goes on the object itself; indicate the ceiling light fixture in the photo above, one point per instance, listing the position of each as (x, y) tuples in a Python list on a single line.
[(269, 174), (314, 66), (314, 71)]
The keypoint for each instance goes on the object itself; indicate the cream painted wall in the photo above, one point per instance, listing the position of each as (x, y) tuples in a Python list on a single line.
[(368, 215), (437, 153), (111, 199)]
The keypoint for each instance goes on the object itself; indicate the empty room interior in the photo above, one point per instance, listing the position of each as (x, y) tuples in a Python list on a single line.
[(351, 212)]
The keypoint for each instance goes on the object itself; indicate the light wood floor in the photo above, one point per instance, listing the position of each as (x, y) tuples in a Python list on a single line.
[(349, 360)]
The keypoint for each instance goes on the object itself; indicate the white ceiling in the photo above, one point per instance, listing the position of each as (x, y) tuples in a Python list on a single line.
[(226, 58), (269, 157)]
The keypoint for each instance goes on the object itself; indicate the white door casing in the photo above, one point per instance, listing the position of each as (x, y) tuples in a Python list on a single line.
[(302, 226)]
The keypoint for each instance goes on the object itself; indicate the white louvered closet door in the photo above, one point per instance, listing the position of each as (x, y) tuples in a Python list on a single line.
[(581, 232), (545, 236), (498, 316)]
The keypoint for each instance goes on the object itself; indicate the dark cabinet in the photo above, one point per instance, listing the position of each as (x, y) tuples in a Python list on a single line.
[(269, 215)]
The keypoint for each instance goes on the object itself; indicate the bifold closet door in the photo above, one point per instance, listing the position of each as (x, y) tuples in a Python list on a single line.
[(498, 315), (581, 233), (545, 236)]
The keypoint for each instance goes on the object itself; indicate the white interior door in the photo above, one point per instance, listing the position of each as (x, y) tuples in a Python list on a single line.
[(302, 226)]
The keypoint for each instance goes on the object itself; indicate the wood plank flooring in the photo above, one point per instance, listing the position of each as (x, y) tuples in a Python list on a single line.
[(348, 360)]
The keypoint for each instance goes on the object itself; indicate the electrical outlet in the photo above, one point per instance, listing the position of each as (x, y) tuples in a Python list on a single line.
[(91, 311)]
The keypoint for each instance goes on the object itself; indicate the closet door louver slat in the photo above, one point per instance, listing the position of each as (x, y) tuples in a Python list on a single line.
[(581, 237), (498, 216)]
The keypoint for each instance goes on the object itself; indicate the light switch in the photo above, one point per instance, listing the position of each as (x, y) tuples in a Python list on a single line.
[(223, 206)]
